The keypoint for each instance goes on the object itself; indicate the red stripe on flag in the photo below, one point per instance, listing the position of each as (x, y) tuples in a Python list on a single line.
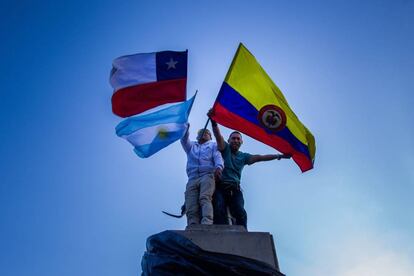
[(231, 120), (133, 100)]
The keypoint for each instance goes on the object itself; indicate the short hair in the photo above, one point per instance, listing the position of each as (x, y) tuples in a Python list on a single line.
[(201, 131), (234, 133)]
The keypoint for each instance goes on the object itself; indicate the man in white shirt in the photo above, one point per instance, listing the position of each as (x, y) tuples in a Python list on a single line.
[(204, 163)]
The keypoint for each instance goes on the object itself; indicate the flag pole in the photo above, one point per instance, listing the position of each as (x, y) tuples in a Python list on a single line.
[(205, 127)]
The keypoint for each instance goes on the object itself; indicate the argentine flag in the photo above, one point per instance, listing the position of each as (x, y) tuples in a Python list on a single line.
[(152, 132)]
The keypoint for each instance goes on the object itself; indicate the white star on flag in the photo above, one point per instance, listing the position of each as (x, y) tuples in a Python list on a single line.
[(171, 64)]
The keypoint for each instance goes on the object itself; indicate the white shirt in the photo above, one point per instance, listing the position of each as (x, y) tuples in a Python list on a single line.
[(201, 158)]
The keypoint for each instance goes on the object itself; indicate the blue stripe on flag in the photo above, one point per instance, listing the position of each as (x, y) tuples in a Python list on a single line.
[(237, 104), (174, 114)]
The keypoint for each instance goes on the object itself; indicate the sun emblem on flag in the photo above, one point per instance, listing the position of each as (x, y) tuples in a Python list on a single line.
[(163, 133), (272, 117)]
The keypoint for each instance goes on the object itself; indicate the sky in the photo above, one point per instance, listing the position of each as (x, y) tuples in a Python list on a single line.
[(76, 200)]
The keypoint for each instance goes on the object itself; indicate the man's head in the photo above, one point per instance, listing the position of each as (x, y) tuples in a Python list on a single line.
[(235, 141), (202, 138)]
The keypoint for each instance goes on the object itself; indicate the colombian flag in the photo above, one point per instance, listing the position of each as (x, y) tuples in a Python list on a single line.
[(251, 103)]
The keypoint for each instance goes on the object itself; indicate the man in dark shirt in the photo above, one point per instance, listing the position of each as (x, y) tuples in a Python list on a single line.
[(228, 192)]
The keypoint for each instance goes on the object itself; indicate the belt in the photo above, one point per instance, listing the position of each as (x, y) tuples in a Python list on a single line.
[(228, 185)]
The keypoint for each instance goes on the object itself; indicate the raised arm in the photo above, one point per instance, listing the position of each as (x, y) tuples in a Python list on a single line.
[(217, 134), (185, 141), (267, 157)]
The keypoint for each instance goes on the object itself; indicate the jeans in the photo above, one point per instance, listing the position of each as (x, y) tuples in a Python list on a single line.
[(232, 198)]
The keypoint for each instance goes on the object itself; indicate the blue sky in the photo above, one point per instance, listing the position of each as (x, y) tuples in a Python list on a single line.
[(74, 198)]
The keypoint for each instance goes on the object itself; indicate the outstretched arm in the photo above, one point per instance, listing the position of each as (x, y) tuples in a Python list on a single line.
[(216, 131), (268, 157)]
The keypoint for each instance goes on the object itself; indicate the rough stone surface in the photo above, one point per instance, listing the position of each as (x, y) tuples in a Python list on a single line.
[(233, 239)]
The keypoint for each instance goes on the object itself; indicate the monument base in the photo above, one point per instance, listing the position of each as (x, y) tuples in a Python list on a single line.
[(210, 250), (234, 240)]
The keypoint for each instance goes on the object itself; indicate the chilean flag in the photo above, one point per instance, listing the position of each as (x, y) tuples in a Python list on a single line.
[(144, 81)]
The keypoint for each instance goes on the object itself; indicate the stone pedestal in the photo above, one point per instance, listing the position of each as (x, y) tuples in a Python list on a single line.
[(235, 240)]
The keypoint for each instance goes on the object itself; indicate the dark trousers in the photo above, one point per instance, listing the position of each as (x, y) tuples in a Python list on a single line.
[(232, 198)]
